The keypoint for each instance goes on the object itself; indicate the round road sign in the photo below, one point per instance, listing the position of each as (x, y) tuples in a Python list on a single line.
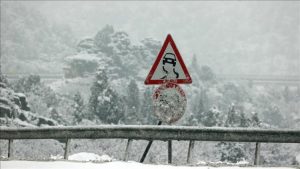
[(169, 102)]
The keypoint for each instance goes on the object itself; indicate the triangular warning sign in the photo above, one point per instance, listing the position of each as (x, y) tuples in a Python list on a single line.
[(168, 66)]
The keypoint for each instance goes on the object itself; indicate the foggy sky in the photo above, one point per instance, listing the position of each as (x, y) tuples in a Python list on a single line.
[(219, 33)]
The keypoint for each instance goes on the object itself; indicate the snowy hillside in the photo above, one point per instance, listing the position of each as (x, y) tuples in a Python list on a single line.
[(15, 109)]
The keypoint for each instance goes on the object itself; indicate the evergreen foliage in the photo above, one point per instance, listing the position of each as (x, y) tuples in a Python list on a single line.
[(206, 74), (211, 118), (235, 152), (147, 107), (27, 84), (104, 102), (133, 104), (78, 108)]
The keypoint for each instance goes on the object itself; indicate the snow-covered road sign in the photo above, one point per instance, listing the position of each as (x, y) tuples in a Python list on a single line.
[(169, 102), (168, 66)]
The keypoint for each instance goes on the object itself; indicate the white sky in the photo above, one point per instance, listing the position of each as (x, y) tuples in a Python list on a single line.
[(202, 28)]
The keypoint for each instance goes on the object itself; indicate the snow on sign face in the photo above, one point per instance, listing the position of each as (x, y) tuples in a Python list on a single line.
[(168, 66), (169, 102)]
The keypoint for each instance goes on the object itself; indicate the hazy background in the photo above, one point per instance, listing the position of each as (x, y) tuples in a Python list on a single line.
[(99, 54), (231, 37)]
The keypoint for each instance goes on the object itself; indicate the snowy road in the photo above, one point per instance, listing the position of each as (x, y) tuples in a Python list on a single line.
[(108, 165)]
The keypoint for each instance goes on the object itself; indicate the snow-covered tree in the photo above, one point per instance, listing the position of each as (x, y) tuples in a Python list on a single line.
[(234, 152), (211, 118), (206, 74), (99, 85), (104, 102), (133, 103), (80, 64), (121, 43), (39, 96), (233, 117), (87, 45), (244, 122), (55, 115), (273, 116), (147, 108), (200, 107), (233, 93), (255, 121), (27, 84), (195, 70), (103, 38), (78, 108), (152, 45)]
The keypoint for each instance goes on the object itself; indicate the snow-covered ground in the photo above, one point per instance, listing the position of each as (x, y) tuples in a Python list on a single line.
[(86, 160), (90, 157), (107, 165)]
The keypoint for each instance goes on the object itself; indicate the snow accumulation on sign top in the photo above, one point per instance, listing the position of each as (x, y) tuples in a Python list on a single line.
[(168, 66)]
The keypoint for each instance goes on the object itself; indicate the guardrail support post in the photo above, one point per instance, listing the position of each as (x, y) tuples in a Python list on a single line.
[(10, 149), (148, 147), (190, 151), (257, 152), (67, 149), (170, 151), (129, 142), (146, 151)]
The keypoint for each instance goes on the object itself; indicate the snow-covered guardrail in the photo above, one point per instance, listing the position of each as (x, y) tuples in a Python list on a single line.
[(147, 132)]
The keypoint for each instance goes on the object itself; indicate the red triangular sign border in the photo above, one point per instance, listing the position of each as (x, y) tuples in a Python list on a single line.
[(188, 79)]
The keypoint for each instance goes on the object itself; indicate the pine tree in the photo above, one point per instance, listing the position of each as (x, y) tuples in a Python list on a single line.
[(255, 121), (103, 39), (56, 116), (211, 118), (133, 103), (233, 119), (201, 106), (195, 70), (233, 152), (244, 122), (147, 107), (273, 116), (151, 45), (78, 108), (110, 107), (99, 85), (104, 102), (28, 84), (206, 74)]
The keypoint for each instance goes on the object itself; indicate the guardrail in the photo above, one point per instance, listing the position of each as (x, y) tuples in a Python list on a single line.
[(146, 132)]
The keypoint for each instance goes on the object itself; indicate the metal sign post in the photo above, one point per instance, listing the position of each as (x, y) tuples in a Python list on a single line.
[(169, 100)]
